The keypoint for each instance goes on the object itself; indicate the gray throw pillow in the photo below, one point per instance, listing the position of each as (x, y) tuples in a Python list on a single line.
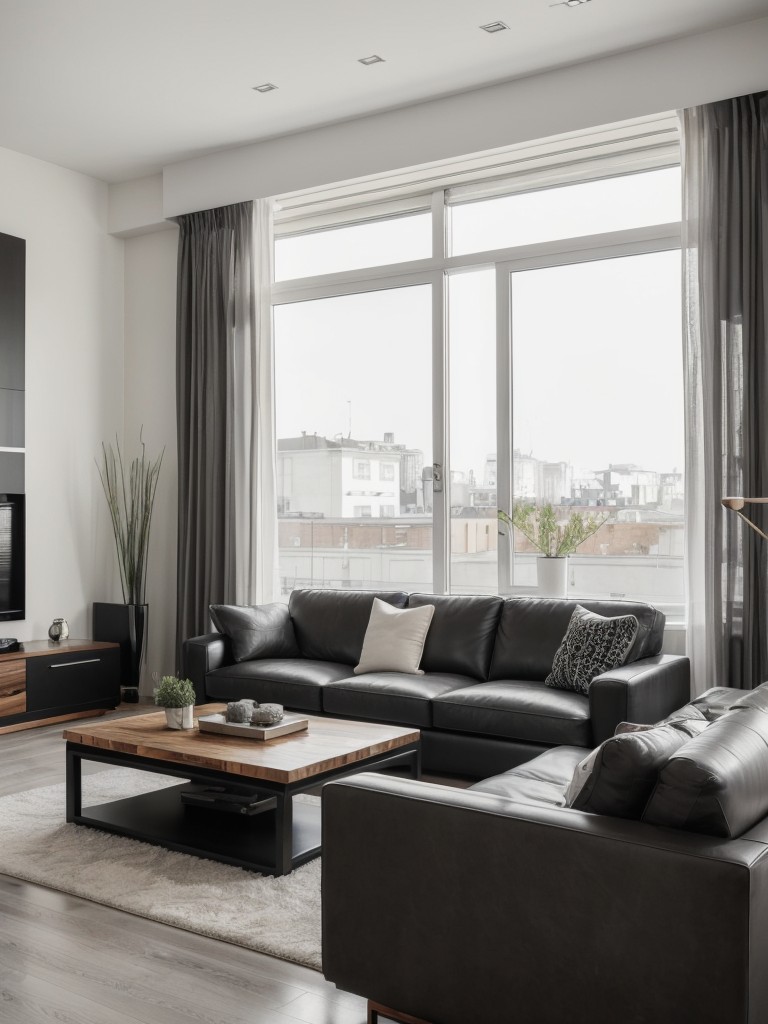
[(592, 644), (263, 631), (619, 776)]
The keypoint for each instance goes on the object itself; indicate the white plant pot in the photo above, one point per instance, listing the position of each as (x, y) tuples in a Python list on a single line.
[(180, 718), (552, 576)]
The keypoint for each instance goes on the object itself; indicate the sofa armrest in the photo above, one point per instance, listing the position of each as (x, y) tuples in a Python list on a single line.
[(643, 691), (201, 655), (456, 906)]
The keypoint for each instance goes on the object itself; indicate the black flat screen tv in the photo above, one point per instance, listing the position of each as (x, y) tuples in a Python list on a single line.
[(11, 556)]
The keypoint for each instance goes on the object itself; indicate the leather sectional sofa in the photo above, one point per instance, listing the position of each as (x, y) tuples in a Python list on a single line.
[(481, 704), (501, 904)]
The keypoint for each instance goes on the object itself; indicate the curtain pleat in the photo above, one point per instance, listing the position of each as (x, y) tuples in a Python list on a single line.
[(725, 242), (223, 414)]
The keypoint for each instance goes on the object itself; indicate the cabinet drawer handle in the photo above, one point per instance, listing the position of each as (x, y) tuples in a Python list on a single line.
[(72, 664)]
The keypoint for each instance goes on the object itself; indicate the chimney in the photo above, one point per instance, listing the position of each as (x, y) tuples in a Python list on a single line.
[(389, 439)]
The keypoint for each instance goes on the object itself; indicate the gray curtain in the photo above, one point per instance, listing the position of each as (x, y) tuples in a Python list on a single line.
[(725, 244), (215, 294)]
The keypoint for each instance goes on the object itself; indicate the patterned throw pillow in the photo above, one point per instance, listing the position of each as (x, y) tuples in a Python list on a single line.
[(592, 644)]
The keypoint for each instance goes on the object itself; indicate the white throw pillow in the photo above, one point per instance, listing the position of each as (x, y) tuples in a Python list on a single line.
[(581, 774), (395, 637)]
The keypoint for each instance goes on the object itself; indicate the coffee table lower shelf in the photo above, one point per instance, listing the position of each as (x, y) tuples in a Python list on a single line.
[(273, 842), (161, 818)]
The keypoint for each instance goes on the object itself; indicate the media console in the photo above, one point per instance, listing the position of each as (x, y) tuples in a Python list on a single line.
[(46, 681)]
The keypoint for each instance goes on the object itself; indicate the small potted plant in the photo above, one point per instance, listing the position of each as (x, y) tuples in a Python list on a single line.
[(177, 696), (555, 539)]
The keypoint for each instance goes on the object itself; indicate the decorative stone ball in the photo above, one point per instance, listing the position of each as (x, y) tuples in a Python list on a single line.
[(240, 711), (267, 714)]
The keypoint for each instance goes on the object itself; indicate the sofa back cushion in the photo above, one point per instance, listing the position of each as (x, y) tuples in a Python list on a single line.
[(757, 698), (531, 630), (618, 777), (717, 783), (330, 625), (462, 633)]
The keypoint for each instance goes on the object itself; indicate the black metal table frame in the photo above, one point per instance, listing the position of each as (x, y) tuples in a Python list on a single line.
[(408, 756)]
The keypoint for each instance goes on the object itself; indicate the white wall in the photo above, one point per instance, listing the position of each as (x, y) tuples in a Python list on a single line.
[(74, 386), (150, 402)]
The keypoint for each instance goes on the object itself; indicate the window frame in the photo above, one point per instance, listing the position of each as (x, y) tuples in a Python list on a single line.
[(436, 271)]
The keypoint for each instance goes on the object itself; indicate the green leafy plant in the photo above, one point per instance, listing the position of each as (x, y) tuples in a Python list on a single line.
[(130, 496), (552, 537), (173, 692)]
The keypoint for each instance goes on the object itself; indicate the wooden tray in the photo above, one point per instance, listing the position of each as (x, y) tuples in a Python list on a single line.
[(219, 724)]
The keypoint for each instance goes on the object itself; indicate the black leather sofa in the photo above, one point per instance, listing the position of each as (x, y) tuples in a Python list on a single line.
[(481, 705), (499, 904)]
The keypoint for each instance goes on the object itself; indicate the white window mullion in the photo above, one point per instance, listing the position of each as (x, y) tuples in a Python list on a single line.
[(504, 494), (440, 436), (438, 225)]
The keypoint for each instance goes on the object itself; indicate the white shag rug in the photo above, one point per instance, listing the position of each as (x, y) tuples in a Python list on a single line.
[(279, 916)]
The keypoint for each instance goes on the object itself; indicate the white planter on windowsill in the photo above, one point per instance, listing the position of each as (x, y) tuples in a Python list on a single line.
[(180, 718), (552, 575)]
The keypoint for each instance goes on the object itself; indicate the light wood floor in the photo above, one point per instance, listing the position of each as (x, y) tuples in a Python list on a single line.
[(69, 961)]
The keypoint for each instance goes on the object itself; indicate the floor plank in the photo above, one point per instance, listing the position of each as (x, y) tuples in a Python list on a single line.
[(65, 959)]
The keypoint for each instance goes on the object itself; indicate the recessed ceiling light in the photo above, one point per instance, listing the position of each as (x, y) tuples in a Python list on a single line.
[(373, 59), (264, 87), (494, 26)]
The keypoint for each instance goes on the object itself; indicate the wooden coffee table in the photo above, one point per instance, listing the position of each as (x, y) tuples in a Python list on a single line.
[(274, 834)]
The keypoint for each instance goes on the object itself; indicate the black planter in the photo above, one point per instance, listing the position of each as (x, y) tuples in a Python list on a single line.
[(125, 624)]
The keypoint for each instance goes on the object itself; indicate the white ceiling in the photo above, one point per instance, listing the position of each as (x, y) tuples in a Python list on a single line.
[(118, 88)]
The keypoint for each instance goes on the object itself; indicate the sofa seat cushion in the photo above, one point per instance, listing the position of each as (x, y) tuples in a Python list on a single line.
[(517, 710), (293, 682), (390, 696), (544, 780)]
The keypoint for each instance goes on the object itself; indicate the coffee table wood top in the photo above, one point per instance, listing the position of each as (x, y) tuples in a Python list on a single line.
[(328, 744)]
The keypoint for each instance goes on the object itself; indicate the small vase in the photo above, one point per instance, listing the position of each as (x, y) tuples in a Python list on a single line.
[(180, 718), (59, 630), (552, 576)]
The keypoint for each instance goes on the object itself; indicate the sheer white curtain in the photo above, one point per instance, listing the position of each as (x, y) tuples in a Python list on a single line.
[(725, 240), (255, 507)]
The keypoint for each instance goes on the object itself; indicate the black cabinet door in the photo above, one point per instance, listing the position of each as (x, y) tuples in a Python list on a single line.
[(85, 679)]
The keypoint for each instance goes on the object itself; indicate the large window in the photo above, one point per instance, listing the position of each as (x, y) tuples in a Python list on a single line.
[(597, 417), (585, 208), (518, 342), (353, 398)]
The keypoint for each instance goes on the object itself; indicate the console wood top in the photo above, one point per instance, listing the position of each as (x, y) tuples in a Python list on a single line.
[(37, 648), (328, 744)]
